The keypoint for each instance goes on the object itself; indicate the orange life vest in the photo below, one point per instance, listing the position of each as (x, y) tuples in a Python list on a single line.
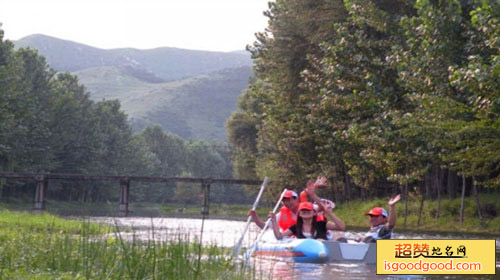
[(303, 196), (286, 219), (321, 217)]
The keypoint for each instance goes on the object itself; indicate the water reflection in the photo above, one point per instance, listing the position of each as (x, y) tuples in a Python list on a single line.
[(226, 233)]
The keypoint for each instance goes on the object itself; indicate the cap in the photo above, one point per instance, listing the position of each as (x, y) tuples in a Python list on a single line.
[(326, 202), (306, 206), (377, 211), (289, 194)]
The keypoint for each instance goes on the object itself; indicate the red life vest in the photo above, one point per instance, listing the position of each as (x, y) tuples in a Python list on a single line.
[(321, 217), (303, 196), (286, 219)]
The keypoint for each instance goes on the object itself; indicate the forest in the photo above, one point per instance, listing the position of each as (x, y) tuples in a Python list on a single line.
[(380, 96), (48, 124)]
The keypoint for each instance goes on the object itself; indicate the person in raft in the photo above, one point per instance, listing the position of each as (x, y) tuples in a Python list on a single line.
[(307, 225), (287, 216), (381, 223)]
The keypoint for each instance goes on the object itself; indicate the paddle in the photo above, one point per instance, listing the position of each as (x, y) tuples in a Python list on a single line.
[(237, 247), (268, 222)]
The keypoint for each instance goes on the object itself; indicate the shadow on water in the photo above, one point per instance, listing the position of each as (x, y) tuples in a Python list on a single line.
[(226, 233)]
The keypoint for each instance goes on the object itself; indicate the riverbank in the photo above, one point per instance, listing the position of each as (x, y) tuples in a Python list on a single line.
[(448, 219), (352, 213), (47, 247)]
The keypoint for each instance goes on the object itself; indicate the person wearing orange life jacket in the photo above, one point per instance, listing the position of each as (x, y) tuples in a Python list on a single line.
[(307, 225), (287, 216)]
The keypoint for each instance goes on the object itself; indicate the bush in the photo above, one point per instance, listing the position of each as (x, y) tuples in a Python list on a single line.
[(451, 207)]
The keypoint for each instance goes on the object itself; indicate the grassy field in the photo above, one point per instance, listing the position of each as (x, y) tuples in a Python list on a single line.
[(47, 247)]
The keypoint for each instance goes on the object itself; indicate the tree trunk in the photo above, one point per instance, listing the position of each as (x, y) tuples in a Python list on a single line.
[(428, 184), (452, 184), (406, 203), (437, 184), (462, 201), (347, 184), (421, 205), (339, 196), (476, 197)]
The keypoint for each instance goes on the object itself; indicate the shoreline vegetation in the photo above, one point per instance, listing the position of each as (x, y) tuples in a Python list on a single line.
[(352, 213), (48, 247)]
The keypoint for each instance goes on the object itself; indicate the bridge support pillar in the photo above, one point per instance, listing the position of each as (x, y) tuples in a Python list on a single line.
[(124, 195), (205, 209), (41, 188)]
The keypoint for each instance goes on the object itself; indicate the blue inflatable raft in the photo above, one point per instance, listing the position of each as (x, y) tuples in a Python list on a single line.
[(315, 251)]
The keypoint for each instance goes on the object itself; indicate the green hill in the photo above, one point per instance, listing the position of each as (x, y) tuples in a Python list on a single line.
[(190, 93), (195, 107)]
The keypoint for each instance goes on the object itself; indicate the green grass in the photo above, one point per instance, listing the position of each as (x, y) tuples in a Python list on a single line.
[(352, 213), (11, 223), (47, 247)]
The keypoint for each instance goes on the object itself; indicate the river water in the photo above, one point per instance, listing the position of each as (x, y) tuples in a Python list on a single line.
[(226, 233)]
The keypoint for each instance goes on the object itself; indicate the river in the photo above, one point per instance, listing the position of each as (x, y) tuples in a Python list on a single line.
[(226, 233)]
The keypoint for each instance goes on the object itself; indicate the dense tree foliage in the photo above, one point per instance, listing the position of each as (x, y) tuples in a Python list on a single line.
[(375, 95), (49, 124)]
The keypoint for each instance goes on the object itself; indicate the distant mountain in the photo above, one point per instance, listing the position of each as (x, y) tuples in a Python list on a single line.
[(189, 93), (196, 107), (166, 63)]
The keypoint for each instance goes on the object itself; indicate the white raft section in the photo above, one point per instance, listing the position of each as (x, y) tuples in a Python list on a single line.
[(315, 251)]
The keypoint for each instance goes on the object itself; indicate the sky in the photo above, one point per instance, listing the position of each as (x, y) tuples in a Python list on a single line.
[(214, 25)]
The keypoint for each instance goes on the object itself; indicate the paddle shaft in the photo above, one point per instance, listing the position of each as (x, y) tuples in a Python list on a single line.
[(268, 222), (237, 247)]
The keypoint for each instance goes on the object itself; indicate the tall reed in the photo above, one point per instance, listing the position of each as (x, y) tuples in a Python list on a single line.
[(56, 253)]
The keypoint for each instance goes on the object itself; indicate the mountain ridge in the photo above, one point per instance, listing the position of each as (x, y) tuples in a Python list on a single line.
[(189, 93), (168, 63)]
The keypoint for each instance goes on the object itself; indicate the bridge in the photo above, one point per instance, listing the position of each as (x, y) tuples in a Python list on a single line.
[(42, 182)]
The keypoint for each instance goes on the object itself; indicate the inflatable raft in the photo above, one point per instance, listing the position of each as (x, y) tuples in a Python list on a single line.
[(315, 251)]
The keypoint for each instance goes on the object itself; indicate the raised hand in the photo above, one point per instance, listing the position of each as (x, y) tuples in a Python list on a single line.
[(394, 200), (321, 182), (310, 187)]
